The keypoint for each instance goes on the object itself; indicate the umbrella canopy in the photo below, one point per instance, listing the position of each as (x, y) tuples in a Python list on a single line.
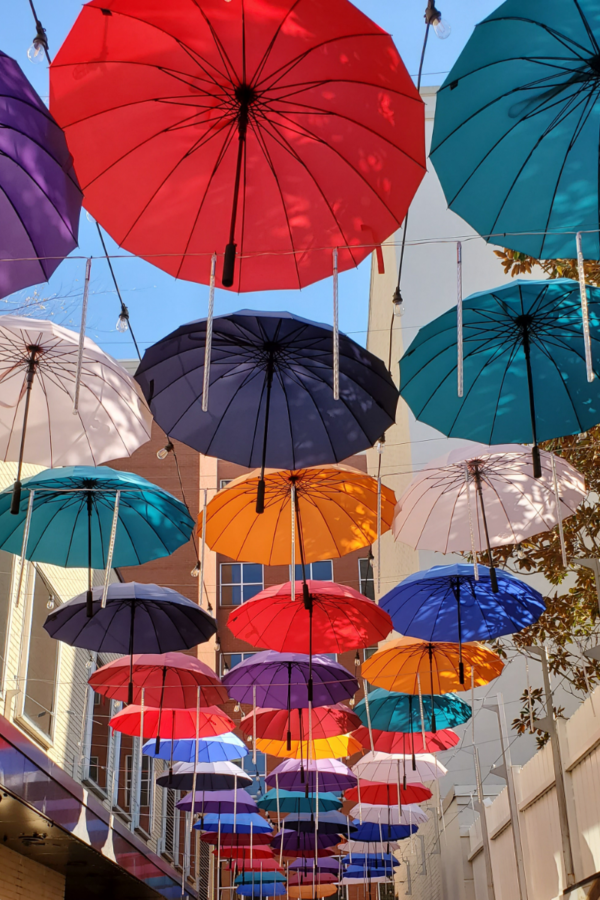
[(318, 878), (298, 841), (403, 742), (255, 155), (369, 847), (381, 831), (262, 854), (41, 198), (219, 801), (271, 399), (349, 880), (369, 873), (233, 841), (390, 711), (310, 826), (497, 485), (319, 853), (523, 344), (231, 823), (251, 877), (325, 721), (387, 793), (221, 748), (449, 603), (323, 774), (411, 666), (267, 889), (325, 866), (326, 748), (336, 507), (374, 860), (332, 818), (173, 723), (39, 362), (137, 618), (390, 815), (298, 802), (205, 777), (393, 766), (167, 679), (340, 618), (519, 112), (308, 891), (280, 680)]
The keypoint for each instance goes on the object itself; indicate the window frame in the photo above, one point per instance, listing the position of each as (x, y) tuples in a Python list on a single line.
[(362, 582), (239, 584), (4, 650), (309, 571), (245, 654)]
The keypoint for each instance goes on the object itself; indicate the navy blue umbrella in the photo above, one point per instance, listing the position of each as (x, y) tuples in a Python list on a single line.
[(448, 603), (271, 391), (375, 831)]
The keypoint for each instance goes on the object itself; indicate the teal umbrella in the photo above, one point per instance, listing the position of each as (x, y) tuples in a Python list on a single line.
[(71, 520), (515, 141), (297, 802), (256, 877), (390, 711), (524, 366)]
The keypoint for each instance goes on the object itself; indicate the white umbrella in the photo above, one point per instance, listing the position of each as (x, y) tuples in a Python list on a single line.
[(451, 504), (216, 776), (379, 879), (368, 847), (64, 402), (412, 814), (390, 767)]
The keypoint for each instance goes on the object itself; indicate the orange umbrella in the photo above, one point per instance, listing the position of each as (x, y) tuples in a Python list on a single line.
[(409, 665), (322, 748), (335, 512), (308, 891)]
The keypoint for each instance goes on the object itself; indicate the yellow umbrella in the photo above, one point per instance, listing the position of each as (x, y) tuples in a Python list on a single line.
[(308, 891), (322, 748), (409, 665), (335, 512)]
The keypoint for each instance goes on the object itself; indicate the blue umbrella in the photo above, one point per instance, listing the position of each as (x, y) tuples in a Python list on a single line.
[(524, 371), (271, 398), (515, 142), (72, 518), (267, 889), (255, 877), (298, 802), (234, 823), (374, 860), (218, 749), (389, 711), (376, 832)]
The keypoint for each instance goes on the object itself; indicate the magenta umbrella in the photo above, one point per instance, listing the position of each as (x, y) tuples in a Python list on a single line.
[(318, 775)]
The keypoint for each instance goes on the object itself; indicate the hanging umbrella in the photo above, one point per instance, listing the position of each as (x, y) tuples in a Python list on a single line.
[(327, 748), (322, 775), (222, 748), (219, 801), (173, 724), (137, 618), (325, 866), (356, 847), (41, 198), (325, 722), (451, 603), (220, 776), (387, 793), (412, 814), (372, 860), (318, 878), (232, 823), (411, 666), (298, 802), (381, 831), (233, 841), (339, 617), (268, 889), (386, 766), (369, 872), (297, 842), (249, 877), (319, 853), (286, 138), (308, 891), (406, 742), (524, 372), (359, 880), (46, 378), (271, 398), (76, 512), (281, 681), (515, 142), (264, 855), (479, 497), (328, 818), (390, 711)]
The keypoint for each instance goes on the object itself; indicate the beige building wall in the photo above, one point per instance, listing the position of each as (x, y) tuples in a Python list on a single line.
[(24, 879)]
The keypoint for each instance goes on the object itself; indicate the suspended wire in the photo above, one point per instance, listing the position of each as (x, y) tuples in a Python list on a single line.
[(40, 32)]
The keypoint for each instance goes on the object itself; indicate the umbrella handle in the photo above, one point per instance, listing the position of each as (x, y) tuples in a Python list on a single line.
[(244, 95), (260, 493), (15, 503)]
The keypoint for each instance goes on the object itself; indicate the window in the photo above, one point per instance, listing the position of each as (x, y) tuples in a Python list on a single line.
[(386, 891), (257, 770), (144, 786), (171, 825), (365, 577), (42, 662), (368, 652), (224, 482), (240, 582), (317, 571), (93, 769), (229, 660), (6, 569), (98, 739)]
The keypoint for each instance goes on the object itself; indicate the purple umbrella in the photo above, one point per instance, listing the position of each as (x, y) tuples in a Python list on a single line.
[(219, 802), (299, 841), (280, 681), (326, 864), (40, 198), (294, 774)]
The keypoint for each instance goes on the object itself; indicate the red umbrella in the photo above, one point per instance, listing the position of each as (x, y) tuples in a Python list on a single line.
[(173, 723), (169, 679), (257, 865), (342, 619), (309, 854), (236, 840), (241, 854), (401, 742), (382, 794), (273, 724), (284, 128)]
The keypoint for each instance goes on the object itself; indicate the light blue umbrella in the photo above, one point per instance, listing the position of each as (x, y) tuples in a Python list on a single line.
[(238, 823), (218, 749), (266, 889), (524, 366), (515, 141)]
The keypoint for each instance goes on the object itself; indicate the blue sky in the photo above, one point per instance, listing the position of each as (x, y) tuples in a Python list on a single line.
[(159, 303)]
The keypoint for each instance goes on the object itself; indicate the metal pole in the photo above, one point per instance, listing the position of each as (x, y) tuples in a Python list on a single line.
[(485, 837), (548, 724)]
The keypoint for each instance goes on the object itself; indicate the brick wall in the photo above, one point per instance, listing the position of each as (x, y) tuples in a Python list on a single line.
[(24, 879)]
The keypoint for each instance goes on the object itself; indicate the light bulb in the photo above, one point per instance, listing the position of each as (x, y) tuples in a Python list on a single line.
[(226, 668), (50, 603), (162, 454), (195, 573), (88, 663), (520, 552), (123, 320), (351, 701), (398, 303), (237, 708), (441, 28), (37, 52), (357, 660), (217, 644)]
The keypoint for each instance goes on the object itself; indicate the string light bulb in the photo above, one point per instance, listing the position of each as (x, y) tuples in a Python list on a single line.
[(237, 708), (195, 573), (520, 552), (123, 320), (217, 643), (162, 454), (433, 17), (398, 303), (352, 702), (357, 660), (88, 663), (37, 52), (51, 603)]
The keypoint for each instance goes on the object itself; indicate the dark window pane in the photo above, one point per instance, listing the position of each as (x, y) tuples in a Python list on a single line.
[(251, 590), (323, 570), (231, 595), (41, 664), (253, 573), (231, 573)]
